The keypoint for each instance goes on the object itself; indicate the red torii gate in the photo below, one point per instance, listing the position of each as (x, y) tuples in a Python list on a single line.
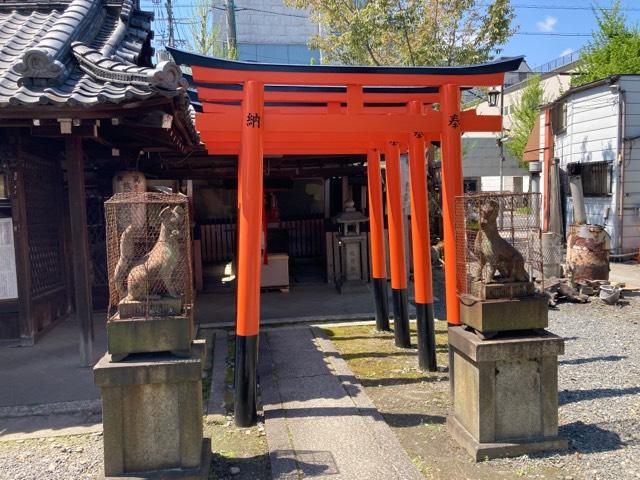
[(252, 110)]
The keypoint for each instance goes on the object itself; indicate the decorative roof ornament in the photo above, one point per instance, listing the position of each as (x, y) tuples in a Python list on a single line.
[(37, 63), (165, 76), (46, 59), (168, 76)]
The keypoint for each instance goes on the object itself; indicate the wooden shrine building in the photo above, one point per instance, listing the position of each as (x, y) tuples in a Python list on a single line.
[(80, 99)]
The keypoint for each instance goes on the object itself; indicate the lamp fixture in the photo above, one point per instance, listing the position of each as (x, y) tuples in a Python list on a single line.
[(493, 96)]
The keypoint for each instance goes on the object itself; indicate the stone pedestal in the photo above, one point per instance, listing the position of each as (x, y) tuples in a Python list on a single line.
[(152, 417), (489, 317), (505, 393), (352, 263), (158, 334)]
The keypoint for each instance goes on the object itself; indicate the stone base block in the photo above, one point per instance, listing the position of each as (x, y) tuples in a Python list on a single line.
[(157, 307), (505, 392), (159, 334), (497, 290), (200, 473), (151, 414), (514, 448), (493, 316)]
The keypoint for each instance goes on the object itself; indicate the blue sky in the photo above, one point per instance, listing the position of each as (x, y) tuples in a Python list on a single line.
[(550, 20)]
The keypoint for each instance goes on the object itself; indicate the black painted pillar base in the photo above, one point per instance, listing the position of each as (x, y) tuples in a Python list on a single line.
[(401, 318), (244, 401), (451, 376), (426, 337), (381, 299)]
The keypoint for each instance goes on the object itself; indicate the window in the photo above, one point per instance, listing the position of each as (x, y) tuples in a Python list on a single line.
[(4, 192), (471, 185), (597, 178), (559, 118)]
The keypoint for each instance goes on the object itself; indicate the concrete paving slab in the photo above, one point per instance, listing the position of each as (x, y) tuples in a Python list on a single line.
[(215, 405), (625, 273), (50, 371), (322, 424), (304, 302)]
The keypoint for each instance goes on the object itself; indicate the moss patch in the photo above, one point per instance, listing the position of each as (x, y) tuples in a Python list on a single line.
[(415, 404)]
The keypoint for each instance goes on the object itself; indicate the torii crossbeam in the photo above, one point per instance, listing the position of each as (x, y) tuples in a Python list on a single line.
[(253, 109)]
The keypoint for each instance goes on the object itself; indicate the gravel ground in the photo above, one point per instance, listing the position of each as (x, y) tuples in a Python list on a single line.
[(599, 380), (56, 458), (599, 383)]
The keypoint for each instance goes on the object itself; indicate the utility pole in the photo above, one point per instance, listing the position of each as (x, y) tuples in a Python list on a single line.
[(232, 40), (171, 40), (501, 145)]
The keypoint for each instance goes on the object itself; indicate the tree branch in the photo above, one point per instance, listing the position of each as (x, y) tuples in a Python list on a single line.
[(412, 58)]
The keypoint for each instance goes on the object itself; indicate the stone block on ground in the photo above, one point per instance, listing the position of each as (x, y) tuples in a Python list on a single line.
[(152, 416)]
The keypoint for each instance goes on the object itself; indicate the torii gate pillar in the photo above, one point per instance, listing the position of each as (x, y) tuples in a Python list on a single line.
[(396, 247), (421, 248), (451, 188), (376, 239), (250, 206)]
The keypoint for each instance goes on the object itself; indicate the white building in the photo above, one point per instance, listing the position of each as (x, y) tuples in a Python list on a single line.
[(481, 159), (268, 31), (597, 127), (555, 79)]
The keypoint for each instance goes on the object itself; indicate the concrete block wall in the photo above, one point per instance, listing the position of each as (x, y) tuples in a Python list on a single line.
[(287, 26)]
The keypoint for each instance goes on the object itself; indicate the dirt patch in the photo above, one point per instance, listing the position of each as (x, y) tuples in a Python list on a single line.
[(238, 453), (415, 405)]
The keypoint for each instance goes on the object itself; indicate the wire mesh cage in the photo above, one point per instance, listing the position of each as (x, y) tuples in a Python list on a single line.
[(498, 245), (148, 255)]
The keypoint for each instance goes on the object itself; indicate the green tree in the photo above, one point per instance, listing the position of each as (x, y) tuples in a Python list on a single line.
[(205, 35), (523, 118), (409, 32), (614, 49)]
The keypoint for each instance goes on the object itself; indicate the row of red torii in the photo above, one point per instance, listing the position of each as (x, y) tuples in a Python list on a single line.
[(252, 110)]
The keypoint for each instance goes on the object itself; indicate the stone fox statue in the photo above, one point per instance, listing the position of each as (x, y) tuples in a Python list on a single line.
[(156, 265), (489, 247)]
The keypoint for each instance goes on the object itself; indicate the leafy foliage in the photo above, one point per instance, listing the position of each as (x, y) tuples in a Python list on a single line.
[(525, 112), (615, 48), (205, 35), (409, 32)]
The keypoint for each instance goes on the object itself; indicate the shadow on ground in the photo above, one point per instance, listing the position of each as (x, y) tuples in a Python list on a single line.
[(581, 361), (571, 396)]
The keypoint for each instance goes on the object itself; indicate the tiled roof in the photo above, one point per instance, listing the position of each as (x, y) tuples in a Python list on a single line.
[(80, 53)]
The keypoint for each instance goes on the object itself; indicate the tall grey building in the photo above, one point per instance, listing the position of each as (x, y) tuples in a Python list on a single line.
[(268, 31)]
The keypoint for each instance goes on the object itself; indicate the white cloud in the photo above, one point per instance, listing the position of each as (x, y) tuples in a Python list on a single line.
[(548, 24), (566, 51)]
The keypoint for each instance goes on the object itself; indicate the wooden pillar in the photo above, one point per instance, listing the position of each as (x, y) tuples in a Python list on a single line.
[(80, 247), (376, 239), (17, 190), (451, 188), (396, 246), (250, 211), (421, 248)]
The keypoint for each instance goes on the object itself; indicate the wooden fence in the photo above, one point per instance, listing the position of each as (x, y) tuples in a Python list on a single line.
[(306, 238), (218, 241)]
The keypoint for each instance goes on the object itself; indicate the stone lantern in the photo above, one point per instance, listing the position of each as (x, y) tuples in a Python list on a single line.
[(351, 245)]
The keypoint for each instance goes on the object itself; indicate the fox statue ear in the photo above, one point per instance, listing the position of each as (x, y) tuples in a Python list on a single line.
[(164, 213), (178, 211)]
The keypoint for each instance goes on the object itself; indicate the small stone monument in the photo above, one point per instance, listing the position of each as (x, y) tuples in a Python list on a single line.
[(504, 364), (352, 247), (151, 376)]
